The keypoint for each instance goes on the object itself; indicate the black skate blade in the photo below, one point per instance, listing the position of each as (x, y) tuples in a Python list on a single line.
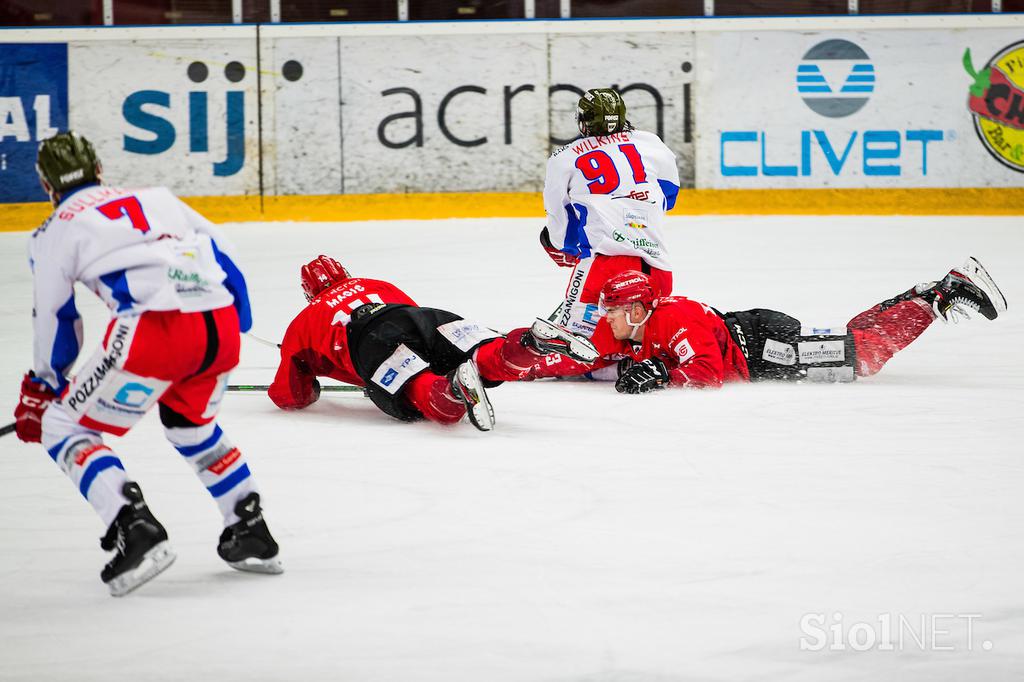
[(471, 390), (154, 562), (270, 566)]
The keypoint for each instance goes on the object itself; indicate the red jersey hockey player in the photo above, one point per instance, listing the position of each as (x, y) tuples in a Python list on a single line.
[(673, 341), (414, 362), (605, 195), (177, 302)]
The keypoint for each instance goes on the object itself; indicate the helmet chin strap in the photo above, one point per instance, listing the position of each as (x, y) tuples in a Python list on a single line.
[(636, 325)]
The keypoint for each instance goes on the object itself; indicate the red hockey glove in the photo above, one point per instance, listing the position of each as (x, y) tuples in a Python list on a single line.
[(561, 258), (28, 415), (643, 376)]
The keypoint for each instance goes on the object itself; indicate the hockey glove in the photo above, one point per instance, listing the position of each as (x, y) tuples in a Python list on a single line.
[(643, 376), (28, 415), (561, 258)]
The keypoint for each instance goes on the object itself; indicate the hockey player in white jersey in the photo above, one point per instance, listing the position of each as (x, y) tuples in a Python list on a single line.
[(178, 302), (605, 195)]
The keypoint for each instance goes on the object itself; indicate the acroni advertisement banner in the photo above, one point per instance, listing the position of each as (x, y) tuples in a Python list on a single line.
[(339, 114), (894, 108)]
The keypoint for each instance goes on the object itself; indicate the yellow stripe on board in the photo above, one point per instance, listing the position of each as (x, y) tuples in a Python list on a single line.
[(348, 207)]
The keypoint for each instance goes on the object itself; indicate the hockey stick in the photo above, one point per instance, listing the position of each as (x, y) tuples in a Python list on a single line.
[(260, 339), (4, 430), (244, 388)]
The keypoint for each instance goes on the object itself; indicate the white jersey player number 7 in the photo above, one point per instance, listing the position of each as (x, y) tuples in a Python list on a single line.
[(608, 195), (138, 250)]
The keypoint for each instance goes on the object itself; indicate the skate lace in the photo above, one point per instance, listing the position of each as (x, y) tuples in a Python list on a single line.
[(120, 546)]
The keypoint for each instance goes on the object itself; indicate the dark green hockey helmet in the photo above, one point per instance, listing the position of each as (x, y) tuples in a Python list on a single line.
[(601, 112), (65, 161)]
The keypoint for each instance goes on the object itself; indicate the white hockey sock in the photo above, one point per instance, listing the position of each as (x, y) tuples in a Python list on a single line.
[(92, 466), (219, 465)]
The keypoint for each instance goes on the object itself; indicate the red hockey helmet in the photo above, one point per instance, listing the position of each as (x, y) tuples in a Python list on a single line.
[(321, 274), (630, 286)]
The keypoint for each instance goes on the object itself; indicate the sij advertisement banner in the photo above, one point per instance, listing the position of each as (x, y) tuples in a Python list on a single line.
[(859, 109), (179, 113), (33, 106)]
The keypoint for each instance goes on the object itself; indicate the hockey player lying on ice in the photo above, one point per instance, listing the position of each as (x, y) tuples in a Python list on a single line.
[(414, 362), (673, 341)]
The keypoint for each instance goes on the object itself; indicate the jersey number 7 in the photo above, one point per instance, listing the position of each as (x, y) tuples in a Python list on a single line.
[(127, 207), (599, 168)]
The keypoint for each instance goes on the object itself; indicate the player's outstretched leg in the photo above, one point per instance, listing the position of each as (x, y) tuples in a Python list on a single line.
[(248, 544), (140, 543), (882, 331), (469, 388)]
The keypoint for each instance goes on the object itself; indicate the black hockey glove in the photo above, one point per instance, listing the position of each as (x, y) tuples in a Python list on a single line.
[(643, 376)]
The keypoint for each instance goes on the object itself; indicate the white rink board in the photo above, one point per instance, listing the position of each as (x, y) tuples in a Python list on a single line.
[(512, 84), (301, 117), (914, 130)]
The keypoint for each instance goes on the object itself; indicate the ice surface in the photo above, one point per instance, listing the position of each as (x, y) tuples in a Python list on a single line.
[(591, 536)]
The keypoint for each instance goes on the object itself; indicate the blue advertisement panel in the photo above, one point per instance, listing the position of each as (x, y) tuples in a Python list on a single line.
[(33, 106)]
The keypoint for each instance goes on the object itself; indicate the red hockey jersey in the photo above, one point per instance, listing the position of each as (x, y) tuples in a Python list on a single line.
[(689, 337), (316, 343)]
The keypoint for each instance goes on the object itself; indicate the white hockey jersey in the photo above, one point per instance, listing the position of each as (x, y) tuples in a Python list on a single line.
[(138, 250), (609, 195)]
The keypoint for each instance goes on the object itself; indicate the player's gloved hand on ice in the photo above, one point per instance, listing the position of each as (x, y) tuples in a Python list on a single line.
[(643, 376), (561, 258), (623, 366), (28, 415)]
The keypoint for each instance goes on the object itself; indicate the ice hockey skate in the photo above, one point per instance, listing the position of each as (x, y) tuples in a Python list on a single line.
[(248, 544), (143, 552), (550, 338), (468, 387), (965, 291)]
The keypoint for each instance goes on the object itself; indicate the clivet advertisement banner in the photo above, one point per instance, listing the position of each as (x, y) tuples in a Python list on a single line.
[(855, 109)]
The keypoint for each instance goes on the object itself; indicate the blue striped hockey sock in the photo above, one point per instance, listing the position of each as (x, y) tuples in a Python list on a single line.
[(219, 465)]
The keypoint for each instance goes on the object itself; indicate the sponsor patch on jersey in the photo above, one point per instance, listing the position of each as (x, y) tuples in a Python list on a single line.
[(635, 218), (188, 283), (401, 366), (812, 352), (778, 352), (684, 350), (466, 335)]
